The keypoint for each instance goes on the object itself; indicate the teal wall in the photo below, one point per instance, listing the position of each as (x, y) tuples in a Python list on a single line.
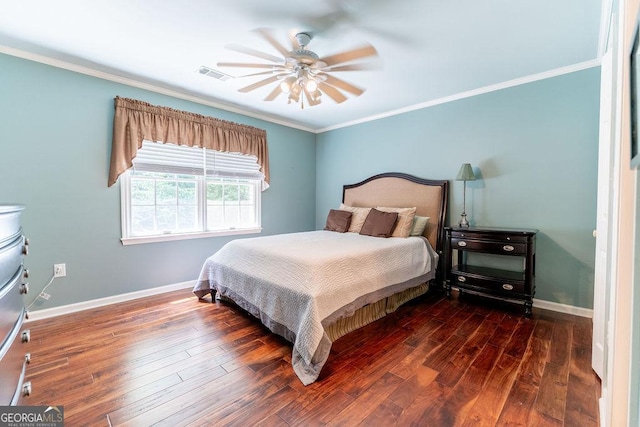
[(534, 147), (55, 143)]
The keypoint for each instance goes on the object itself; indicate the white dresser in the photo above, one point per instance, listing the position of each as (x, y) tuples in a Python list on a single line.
[(13, 357)]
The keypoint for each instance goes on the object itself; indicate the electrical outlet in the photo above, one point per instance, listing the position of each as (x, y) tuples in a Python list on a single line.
[(59, 270)]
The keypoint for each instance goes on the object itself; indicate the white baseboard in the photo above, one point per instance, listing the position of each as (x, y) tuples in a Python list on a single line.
[(563, 308), (555, 306), (86, 305)]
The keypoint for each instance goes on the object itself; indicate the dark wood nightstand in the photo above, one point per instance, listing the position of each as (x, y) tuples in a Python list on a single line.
[(487, 280)]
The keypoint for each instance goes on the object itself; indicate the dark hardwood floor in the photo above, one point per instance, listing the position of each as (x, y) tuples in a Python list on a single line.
[(173, 360)]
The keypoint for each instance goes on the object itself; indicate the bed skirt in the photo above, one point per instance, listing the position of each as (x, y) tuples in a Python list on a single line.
[(362, 316), (372, 312)]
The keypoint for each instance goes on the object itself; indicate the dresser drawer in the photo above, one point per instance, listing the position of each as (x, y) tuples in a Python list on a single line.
[(9, 221), (11, 258), (486, 246), (13, 359), (11, 304), (501, 287)]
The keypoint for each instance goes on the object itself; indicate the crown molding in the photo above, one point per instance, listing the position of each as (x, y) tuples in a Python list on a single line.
[(146, 86), (468, 94), (199, 100)]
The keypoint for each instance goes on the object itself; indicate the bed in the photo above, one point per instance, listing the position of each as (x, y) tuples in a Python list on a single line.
[(314, 287)]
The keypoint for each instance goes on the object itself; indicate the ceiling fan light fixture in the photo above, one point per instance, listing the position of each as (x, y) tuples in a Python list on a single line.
[(287, 84), (311, 84)]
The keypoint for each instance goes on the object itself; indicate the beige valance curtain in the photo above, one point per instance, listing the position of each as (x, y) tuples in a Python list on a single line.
[(135, 121)]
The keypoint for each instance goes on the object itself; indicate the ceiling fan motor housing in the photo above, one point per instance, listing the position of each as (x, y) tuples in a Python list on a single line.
[(303, 56)]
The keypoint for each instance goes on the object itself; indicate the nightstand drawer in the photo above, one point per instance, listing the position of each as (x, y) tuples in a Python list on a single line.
[(506, 236), (495, 247), (503, 287)]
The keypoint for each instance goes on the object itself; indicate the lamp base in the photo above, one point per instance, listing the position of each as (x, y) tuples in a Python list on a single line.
[(463, 221)]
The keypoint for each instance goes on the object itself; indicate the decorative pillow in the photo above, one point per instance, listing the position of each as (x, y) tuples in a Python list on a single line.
[(359, 215), (405, 220), (338, 221), (419, 224), (379, 224)]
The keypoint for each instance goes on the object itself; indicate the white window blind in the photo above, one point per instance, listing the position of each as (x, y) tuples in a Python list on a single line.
[(232, 165), (172, 158)]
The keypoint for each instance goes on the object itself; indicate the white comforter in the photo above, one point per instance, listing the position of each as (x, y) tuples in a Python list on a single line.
[(296, 283)]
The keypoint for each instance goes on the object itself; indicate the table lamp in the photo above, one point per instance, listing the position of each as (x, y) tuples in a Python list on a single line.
[(465, 174)]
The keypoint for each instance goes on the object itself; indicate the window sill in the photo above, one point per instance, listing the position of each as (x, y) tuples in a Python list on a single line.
[(126, 241)]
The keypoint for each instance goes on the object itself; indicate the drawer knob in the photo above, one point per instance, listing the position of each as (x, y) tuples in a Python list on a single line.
[(462, 279), (508, 248), (24, 288), (507, 287), (462, 243), (26, 336), (27, 358), (26, 389)]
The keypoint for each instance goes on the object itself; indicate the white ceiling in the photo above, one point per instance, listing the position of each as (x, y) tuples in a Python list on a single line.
[(428, 49)]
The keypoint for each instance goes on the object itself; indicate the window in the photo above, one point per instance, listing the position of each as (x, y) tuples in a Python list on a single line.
[(177, 192)]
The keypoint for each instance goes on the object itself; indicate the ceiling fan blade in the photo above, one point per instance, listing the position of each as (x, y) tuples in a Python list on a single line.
[(352, 67), (273, 94), (350, 55), (258, 84), (245, 65), (256, 53), (341, 84), (273, 42), (259, 74), (332, 92)]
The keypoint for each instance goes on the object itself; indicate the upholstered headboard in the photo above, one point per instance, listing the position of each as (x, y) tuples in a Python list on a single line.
[(430, 197)]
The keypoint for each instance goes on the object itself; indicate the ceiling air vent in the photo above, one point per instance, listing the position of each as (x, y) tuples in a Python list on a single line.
[(210, 72)]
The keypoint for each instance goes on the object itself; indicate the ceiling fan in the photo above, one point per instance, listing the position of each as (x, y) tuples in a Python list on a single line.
[(301, 73)]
